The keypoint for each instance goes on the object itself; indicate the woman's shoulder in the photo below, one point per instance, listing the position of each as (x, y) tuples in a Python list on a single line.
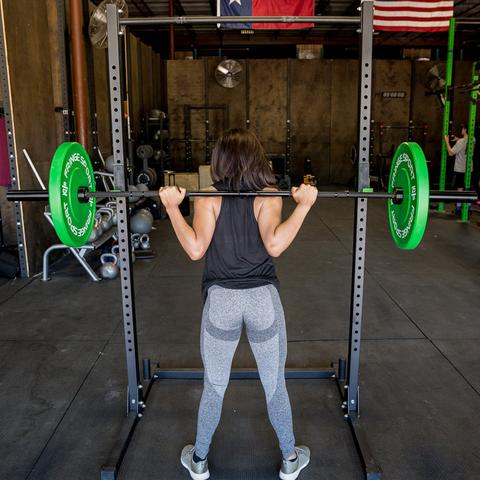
[(213, 203), (268, 200), (208, 200)]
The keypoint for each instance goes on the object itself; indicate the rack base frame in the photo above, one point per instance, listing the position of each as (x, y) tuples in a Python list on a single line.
[(336, 373)]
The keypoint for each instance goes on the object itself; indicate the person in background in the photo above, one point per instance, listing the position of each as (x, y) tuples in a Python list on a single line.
[(459, 151)]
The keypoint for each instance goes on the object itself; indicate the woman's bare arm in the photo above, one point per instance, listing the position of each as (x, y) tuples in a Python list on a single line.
[(278, 236), (194, 239)]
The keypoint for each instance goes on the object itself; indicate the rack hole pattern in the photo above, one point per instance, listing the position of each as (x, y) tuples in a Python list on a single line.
[(127, 286)]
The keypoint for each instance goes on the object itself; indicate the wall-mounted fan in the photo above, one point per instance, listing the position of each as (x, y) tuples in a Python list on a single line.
[(229, 73), (434, 80), (97, 28), (435, 84)]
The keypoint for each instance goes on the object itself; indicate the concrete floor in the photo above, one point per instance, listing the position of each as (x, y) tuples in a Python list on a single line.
[(63, 373)]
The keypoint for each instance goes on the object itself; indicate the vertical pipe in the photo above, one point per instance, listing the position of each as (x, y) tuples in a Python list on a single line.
[(128, 83), (90, 79), (341, 369), (65, 70), (127, 104), (171, 13), (188, 137), (247, 93), (446, 110), (359, 241), (288, 138), (472, 115), (80, 90), (411, 108), (206, 112), (147, 370)]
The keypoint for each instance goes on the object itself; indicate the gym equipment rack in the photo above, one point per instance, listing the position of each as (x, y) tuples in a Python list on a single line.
[(472, 112), (347, 372)]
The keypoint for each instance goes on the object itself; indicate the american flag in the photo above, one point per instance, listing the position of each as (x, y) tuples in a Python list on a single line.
[(412, 16)]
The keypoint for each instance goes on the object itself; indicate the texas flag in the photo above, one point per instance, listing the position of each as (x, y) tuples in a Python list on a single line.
[(280, 8)]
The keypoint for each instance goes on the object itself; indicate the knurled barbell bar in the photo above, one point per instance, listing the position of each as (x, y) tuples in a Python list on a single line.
[(72, 196), (396, 196)]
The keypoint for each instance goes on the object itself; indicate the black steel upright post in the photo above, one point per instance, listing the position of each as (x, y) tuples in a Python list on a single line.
[(351, 398), (126, 275), (135, 395), (365, 85)]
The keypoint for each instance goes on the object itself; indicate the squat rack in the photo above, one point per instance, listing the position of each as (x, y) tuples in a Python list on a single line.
[(472, 111), (348, 385)]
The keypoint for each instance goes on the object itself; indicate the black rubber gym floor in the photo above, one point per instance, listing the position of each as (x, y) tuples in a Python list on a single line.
[(63, 373)]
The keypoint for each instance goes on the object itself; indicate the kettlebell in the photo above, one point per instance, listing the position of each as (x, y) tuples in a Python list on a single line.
[(95, 235), (106, 218), (113, 207), (142, 187), (141, 223), (146, 212), (109, 163), (109, 268), (98, 218), (136, 241), (145, 242)]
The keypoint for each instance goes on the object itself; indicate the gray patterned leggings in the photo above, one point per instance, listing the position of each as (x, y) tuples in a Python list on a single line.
[(224, 313)]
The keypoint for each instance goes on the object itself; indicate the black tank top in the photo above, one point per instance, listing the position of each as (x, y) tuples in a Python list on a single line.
[(236, 257)]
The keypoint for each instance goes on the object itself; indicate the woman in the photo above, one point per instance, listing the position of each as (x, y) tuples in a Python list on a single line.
[(239, 236)]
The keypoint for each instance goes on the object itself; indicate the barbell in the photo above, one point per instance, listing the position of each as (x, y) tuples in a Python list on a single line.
[(72, 197)]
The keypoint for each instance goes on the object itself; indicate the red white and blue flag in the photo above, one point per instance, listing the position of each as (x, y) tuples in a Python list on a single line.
[(412, 16), (262, 8)]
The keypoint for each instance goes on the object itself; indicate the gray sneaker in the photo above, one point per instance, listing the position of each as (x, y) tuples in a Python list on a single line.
[(198, 471), (291, 470)]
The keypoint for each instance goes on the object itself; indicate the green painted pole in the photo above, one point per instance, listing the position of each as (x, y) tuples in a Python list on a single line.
[(446, 109), (472, 114)]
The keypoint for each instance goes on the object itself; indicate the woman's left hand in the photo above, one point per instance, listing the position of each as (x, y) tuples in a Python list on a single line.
[(172, 196)]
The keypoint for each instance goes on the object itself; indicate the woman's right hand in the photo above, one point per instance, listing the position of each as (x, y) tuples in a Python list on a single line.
[(171, 196), (305, 194)]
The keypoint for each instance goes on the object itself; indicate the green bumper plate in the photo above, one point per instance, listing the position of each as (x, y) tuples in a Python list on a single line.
[(408, 219), (71, 169)]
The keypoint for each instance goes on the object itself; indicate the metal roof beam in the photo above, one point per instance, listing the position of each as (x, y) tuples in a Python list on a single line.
[(193, 20)]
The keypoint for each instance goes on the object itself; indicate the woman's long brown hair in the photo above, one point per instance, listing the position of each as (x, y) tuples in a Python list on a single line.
[(238, 159)]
